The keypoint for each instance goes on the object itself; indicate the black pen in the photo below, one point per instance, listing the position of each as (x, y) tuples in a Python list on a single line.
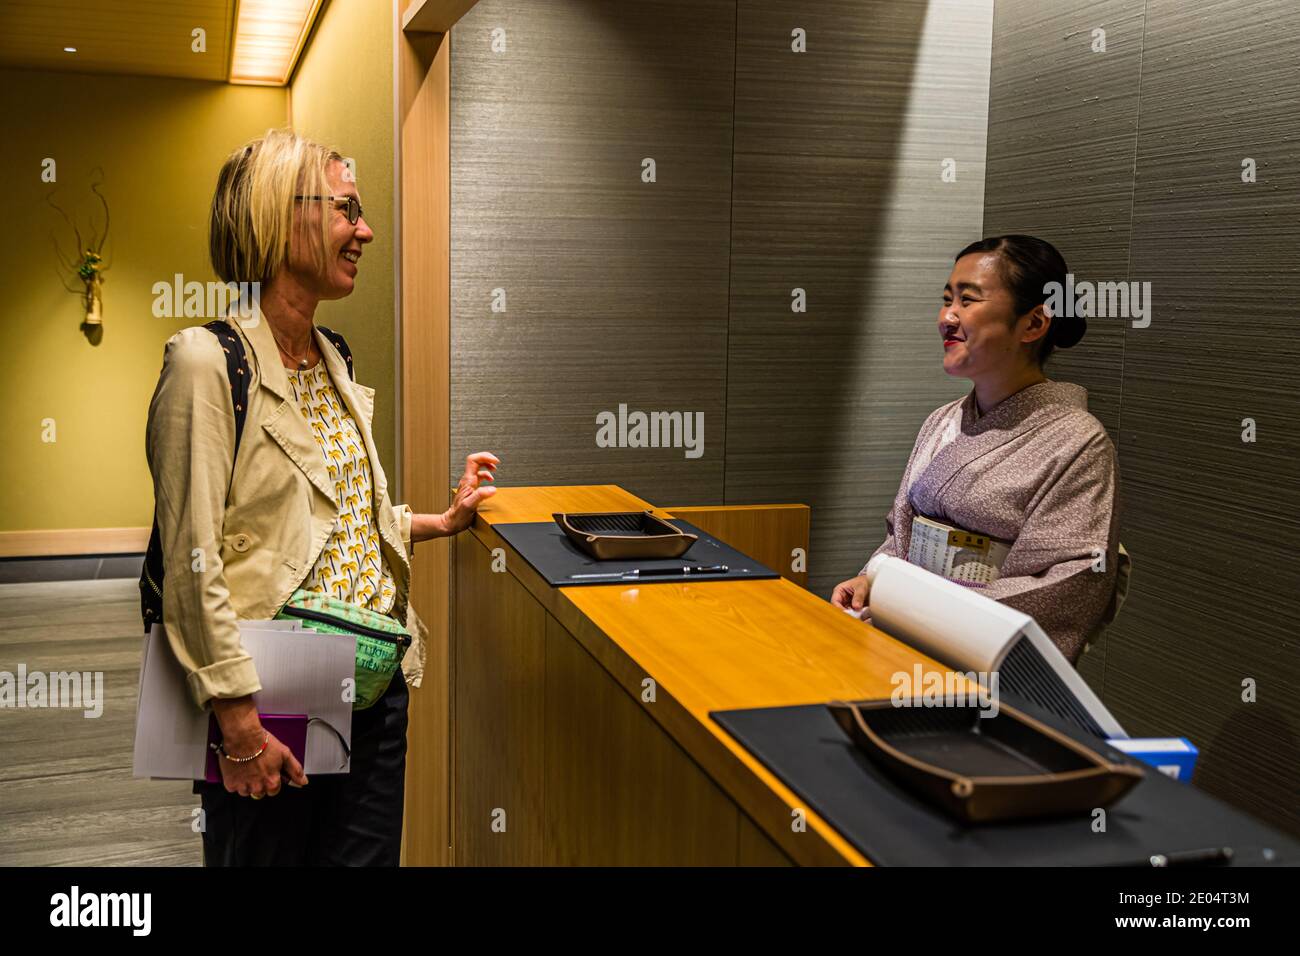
[(648, 572), (1216, 854)]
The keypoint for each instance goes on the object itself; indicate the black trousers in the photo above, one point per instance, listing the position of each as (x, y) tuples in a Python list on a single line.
[(350, 819)]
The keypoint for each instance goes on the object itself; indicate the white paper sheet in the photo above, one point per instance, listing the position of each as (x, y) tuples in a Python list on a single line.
[(302, 672)]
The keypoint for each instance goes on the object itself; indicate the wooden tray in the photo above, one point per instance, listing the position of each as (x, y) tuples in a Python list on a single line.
[(624, 535), (984, 769)]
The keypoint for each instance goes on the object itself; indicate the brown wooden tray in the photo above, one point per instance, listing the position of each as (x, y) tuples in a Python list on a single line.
[(984, 769), (624, 535)]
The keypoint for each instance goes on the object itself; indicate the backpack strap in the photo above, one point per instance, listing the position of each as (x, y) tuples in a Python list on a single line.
[(341, 344), (237, 372)]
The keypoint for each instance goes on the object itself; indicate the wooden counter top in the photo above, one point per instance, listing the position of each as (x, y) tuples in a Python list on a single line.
[(714, 645)]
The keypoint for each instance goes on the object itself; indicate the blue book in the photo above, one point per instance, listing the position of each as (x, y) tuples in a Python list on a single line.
[(1173, 756)]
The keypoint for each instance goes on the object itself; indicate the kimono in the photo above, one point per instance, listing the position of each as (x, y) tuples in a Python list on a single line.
[(1038, 472)]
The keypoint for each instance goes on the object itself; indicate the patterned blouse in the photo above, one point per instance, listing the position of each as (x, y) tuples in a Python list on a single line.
[(351, 566)]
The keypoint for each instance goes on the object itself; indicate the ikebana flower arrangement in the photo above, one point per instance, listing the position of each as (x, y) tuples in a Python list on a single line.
[(89, 273), (89, 266)]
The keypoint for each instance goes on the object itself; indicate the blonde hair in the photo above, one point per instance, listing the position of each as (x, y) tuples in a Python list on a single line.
[(252, 209)]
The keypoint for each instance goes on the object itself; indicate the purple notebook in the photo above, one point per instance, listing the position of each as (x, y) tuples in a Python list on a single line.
[(289, 729)]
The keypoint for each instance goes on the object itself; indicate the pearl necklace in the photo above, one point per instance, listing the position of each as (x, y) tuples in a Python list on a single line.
[(302, 362)]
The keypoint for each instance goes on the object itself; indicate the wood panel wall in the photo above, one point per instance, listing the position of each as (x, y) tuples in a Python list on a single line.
[(773, 535), (1132, 160), (422, 81)]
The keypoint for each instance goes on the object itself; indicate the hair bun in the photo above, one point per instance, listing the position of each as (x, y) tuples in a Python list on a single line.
[(1066, 332)]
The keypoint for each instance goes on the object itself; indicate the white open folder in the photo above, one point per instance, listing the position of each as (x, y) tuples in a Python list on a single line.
[(302, 672)]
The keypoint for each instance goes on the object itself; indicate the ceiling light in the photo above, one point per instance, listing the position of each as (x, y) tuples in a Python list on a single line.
[(269, 35)]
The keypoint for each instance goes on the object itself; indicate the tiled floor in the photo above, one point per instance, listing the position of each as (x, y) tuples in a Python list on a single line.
[(66, 791)]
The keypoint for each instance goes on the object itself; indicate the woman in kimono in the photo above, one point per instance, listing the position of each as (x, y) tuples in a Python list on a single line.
[(1019, 459)]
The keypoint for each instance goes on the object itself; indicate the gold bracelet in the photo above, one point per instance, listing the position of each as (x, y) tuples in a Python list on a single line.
[(221, 749)]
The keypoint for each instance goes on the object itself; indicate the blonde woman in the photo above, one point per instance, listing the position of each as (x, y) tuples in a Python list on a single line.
[(305, 509)]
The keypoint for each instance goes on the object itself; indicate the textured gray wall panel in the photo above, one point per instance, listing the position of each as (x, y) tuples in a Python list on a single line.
[(838, 192), (616, 290), (1061, 146), (1209, 519), (1213, 519), (1062, 134), (673, 297)]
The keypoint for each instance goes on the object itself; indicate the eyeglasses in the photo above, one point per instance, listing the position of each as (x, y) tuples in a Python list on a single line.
[(354, 207)]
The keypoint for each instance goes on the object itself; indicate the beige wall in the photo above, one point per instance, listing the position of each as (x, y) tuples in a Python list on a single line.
[(342, 94), (160, 143)]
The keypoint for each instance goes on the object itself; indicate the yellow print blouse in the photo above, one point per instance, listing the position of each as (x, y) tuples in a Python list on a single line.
[(351, 566)]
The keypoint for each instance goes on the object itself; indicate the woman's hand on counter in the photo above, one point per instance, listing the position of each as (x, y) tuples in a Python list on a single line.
[(480, 467)]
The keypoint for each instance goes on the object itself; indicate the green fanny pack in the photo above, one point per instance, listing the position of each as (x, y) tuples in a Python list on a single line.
[(381, 641)]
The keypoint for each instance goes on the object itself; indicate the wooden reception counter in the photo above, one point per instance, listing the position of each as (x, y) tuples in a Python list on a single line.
[(581, 729)]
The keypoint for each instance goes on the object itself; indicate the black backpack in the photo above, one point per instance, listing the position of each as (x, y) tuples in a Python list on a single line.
[(151, 575)]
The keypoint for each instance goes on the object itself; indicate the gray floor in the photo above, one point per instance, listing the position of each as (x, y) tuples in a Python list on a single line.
[(67, 796)]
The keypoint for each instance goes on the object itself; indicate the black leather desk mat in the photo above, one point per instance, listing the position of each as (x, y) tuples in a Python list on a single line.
[(552, 555), (806, 749)]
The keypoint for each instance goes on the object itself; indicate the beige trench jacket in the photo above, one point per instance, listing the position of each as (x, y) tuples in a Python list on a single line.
[(236, 547)]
